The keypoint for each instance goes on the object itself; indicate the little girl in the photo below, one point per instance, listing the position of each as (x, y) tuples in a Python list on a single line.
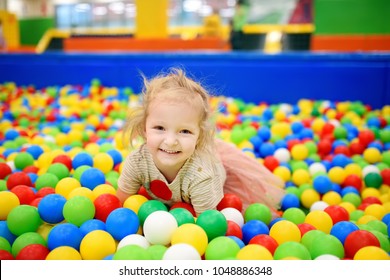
[(180, 159)]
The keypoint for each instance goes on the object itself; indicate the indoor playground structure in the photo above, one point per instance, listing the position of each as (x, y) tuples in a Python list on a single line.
[(308, 96)]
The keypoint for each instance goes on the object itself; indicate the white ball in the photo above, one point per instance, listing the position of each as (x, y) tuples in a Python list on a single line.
[(282, 155), (327, 257), (319, 205), (181, 251), (159, 227), (370, 169), (316, 167), (232, 214), (133, 239)]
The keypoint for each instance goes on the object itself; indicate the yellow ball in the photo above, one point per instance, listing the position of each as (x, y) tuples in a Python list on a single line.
[(281, 129), (353, 169), (320, 220), (254, 252), (337, 174), (103, 162), (299, 152), (371, 253), (367, 192), (376, 210), (82, 191), (44, 230), (97, 245), (301, 176), (284, 231), (332, 198), (372, 155), (134, 202), (318, 124), (365, 219), (66, 185), (308, 197), (191, 234), (64, 253), (8, 201), (92, 148), (103, 189), (348, 206), (283, 172)]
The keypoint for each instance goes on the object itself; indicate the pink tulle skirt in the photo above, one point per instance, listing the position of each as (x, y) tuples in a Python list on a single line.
[(249, 179)]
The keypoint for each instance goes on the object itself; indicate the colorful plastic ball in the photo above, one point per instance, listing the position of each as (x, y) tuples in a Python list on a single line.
[(5, 170), (82, 191), (78, 210), (221, 248), (149, 207), (292, 249), (132, 252), (184, 205), (357, 240), (66, 185), (254, 252), (371, 253), (103, 189), (134, 202), (372, 155), (103, 162), (22, 219), (182, 216), (46, 180), (337, 213), (134, 239), (26, 239), (322, 184), (285, 231), (282, 155), (232, 214), (370, 169), (376, 210), (51, 208), (230, 200), (82, 159), (283, 172), (304, 228), (105, 204), (320, 220), (326, 244), (353, 198), (233, 229), (8, 201), (289, 201), (316, 168), (191, 234), (295, 215), (258, 211), (122, 222), (33, 252), (65, 160), (59, 169), (64, 234), (5, 255), (181, 251), (373, 180), (239, 242), (299, 152), (64, 253), (92, 225), (366, 136), (300, 177), (92, 177), (96, 245), (44, 192), (309, 197), (252, 228), (213, 223), (266, 241), (319, 205), (18, 178), (385, 173), (23, 160), (159, 227), (156, 251)]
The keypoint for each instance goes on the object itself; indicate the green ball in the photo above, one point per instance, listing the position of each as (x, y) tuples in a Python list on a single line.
[(355, 215), (148, 208), (386, 157), (22, 219), (46, 180), (378, 226), (78, 210), (295, 215), (3, 185), (292, 249), (213, 222), (308, 238), (182, 216), (132, 252), (59, 169), (383, 240), (5, 245), (326, 245), (384, 135), (22, 160), (221, 248), (258, 211), (340, 132), (353, 198), (26, 239), (156, 251), (373, 180)]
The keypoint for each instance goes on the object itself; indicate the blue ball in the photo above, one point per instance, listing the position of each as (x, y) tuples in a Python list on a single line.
[(122, 222), (5, 232), (290, 200), (267, 149), (264, 132), (274, 221), (50, 208), (349, 189), (386, 219), (11, 134), (297, 127), (256, 142), (92, 225), (342, 229), (341, 160), (116, 156), (92, 177), (239, 242), (252, 228), (82, 159), (64, 235), (322, 184), (35, 151)]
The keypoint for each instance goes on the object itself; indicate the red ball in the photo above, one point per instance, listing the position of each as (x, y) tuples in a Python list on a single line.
[(328, 128), (372, 200), (357, 240), (45, 191), (385, 173), (24, 193), (233, 229), (366, 136), (33, 252), (266, 241), (291, 143), (36, 201), (342, 150), (271, 163), (363, 206), (304, 227), (18, 178), (324, 147), (353, 180), (337, 213), (230, 200), (105, 204), (65, 160), (356, 148), (184, 205), (5, 170), (5, 255), (31, 169)]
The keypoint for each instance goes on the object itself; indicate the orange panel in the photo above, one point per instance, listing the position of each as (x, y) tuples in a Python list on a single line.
[(350, 43)]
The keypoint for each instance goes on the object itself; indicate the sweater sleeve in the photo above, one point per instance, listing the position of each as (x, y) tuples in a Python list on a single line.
[(130, 179)]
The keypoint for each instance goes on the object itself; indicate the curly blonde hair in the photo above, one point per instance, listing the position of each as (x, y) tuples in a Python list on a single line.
[(175, 86)]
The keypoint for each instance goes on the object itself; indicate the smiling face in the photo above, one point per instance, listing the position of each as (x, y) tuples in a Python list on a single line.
[(172, 132)]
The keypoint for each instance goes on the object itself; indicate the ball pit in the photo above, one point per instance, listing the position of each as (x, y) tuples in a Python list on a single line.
[(59, 172)]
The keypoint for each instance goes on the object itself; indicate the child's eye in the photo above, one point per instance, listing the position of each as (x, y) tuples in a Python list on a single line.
[(159, 127), (186, 131)]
